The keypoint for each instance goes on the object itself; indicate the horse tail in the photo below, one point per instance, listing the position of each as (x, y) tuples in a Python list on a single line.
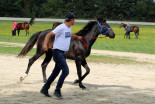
[(32, 20), (29, 45), (138, 30)]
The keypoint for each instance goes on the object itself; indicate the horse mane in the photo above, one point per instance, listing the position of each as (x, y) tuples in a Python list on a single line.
[(86, 29)]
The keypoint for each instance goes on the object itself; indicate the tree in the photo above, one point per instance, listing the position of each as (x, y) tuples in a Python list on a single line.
[(141, 10)]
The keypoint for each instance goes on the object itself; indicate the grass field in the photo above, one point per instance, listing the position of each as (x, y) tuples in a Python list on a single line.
[(145, 43)]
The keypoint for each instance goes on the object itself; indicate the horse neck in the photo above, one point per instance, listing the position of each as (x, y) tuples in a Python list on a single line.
[(91, 34), (124, 25)]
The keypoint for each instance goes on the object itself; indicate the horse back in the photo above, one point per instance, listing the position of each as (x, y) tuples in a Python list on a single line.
[(22, 26), (134, 28)]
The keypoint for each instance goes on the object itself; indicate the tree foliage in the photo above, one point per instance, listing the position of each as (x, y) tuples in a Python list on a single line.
[(138, 10)]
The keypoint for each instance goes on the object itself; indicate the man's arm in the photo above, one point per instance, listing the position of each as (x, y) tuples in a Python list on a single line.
[(48, 36)]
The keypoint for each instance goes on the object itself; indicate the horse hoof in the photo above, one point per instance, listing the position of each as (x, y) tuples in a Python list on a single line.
[(45, 81), (21, 79), (84, 88), (76, 81)]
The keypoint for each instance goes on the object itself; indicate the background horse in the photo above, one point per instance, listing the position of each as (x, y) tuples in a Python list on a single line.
[(25, 26), (55, 24), (79, 49), (134, 29)]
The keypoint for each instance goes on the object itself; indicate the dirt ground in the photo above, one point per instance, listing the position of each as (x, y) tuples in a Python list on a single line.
[(106, 83)]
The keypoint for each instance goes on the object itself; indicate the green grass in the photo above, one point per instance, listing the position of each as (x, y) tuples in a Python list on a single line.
[(145, 43), (14, 50)]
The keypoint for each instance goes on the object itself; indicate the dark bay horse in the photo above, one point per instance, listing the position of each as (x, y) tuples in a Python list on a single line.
[(134, 29), (25, 26), (78, 50)]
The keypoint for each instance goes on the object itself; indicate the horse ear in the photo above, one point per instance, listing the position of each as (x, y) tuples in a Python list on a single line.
[(99, 18), (104, 20)]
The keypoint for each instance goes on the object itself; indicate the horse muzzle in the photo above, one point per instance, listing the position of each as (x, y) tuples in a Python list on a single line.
[(112, 35)]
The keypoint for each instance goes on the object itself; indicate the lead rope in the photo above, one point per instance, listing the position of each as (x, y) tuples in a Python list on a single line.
[(90, 38)]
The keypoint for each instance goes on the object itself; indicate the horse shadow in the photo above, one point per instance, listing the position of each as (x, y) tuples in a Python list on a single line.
[(105, 94), (96, 86)]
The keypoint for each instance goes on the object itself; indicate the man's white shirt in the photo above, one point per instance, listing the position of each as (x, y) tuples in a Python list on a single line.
[(62, 37)]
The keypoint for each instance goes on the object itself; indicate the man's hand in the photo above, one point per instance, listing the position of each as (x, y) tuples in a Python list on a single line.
[(45, 48), (80, 37)]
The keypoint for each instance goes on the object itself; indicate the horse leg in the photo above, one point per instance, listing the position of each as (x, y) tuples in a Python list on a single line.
[(31, 61), (136, 33), (79, 72), (124, 36), (85, 65), (26, 32), (45, 63), (18, 32)]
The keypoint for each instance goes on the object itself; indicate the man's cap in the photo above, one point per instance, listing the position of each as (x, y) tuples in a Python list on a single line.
[(70, 16)]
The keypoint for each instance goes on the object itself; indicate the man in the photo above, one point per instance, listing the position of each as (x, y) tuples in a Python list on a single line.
[(61, 45), (128, 30), (14, 28)]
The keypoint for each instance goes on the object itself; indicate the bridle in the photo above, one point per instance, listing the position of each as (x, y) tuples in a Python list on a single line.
[(100, 33), (102, 29)]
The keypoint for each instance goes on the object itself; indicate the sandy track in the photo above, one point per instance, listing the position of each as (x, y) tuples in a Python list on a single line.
[(106, 83)]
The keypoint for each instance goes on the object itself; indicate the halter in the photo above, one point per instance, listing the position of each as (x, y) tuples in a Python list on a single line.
[(97, 37), (102, 28)]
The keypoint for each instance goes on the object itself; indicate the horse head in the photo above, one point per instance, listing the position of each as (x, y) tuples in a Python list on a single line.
[(104, 28), (121, 25)]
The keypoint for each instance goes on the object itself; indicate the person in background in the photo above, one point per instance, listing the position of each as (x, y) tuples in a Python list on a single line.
[(14, 28), (128, 30)]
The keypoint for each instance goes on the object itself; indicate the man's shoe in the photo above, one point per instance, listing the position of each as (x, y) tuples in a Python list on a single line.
[(45, 92), (58, 95)]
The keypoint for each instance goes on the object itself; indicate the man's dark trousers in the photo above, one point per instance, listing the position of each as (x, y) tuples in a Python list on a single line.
[(14, 32), (60, 64)]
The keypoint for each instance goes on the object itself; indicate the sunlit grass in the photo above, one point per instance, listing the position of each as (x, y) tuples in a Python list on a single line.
[(145, 43)]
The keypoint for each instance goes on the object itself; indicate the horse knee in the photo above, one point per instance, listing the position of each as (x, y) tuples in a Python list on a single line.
[(43, 67), (30, 60), (87, 71)]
